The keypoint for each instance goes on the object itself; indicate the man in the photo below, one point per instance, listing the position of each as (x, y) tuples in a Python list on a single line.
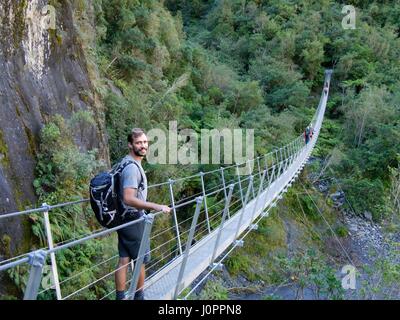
[(307, 135), (133, 191)]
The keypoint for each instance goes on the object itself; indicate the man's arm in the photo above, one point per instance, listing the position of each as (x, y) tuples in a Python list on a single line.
[(131, 199)]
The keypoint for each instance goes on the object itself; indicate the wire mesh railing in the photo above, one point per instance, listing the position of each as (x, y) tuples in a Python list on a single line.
[(213, 206)]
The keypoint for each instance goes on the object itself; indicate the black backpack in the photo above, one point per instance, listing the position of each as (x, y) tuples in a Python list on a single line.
[(104, 196)]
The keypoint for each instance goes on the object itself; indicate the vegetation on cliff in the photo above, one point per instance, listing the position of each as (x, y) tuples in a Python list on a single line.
[(237, 64)]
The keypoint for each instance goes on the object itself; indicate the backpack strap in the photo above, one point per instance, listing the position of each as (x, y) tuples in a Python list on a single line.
[(121, 167), (141, 184)]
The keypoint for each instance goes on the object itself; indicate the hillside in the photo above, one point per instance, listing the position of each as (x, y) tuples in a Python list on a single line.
[(70, 95)]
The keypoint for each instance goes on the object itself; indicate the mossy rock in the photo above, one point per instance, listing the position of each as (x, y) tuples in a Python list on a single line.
[(5, 245), (341, 231), (4, 160)]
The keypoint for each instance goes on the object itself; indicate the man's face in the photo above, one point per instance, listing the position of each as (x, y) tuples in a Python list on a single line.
[(140, 145)]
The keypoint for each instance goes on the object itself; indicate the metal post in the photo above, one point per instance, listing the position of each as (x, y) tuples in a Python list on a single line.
[(285, 158), (199, 200), (171, 193), (301, 144), (223, 183), (240, 183), (266, 160), (272, 175), (285, 155), (266, 170), (253, 194), (148, 223), (37, 260), (280, 163), (250, 174), (205, 201), (285, 151), (244, 206), (292, 152), (258, 197), (53, 260), (258, 165), (227, 202)]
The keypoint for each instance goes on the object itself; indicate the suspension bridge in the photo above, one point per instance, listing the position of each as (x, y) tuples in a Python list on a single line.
[(206, 242)]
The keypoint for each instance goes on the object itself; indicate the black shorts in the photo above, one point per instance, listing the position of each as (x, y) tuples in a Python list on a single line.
[(129, 239)]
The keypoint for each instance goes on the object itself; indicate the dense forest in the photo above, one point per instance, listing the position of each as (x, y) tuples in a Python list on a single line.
[(235, 64)]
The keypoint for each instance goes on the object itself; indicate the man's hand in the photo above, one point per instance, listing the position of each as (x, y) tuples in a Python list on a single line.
[(164, 209), (130, 198)]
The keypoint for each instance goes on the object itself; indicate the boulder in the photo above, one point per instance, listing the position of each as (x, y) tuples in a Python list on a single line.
[(367, 215)]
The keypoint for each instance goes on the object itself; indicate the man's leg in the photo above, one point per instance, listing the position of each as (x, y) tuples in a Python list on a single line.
[(120, 276)]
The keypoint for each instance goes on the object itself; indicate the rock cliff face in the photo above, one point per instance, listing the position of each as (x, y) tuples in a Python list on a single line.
[(44, 71)]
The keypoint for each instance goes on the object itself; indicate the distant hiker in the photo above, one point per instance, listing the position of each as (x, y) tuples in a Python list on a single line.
[(307, 135), (133, 191), (311, 132), (326, 88)]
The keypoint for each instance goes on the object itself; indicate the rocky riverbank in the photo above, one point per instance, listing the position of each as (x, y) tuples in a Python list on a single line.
[(363, 243)]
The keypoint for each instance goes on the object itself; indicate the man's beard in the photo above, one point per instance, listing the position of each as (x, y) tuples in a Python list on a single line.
[(139, 152)]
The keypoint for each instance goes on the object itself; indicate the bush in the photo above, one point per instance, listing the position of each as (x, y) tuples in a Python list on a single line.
[(342, 231), (309, 270), (371, 198), (214, 290), (62, 174)]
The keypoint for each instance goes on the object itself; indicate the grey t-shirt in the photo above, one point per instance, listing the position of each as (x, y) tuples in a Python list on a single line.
[(131, 178)]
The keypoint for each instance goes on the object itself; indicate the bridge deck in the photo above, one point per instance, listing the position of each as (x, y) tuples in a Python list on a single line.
[(162, 285)]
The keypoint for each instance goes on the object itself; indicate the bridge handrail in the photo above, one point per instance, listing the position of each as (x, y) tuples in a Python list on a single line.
[(36, 258), (48, 208)]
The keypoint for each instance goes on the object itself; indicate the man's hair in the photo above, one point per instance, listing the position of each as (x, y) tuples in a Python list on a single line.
[(135, 133)]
